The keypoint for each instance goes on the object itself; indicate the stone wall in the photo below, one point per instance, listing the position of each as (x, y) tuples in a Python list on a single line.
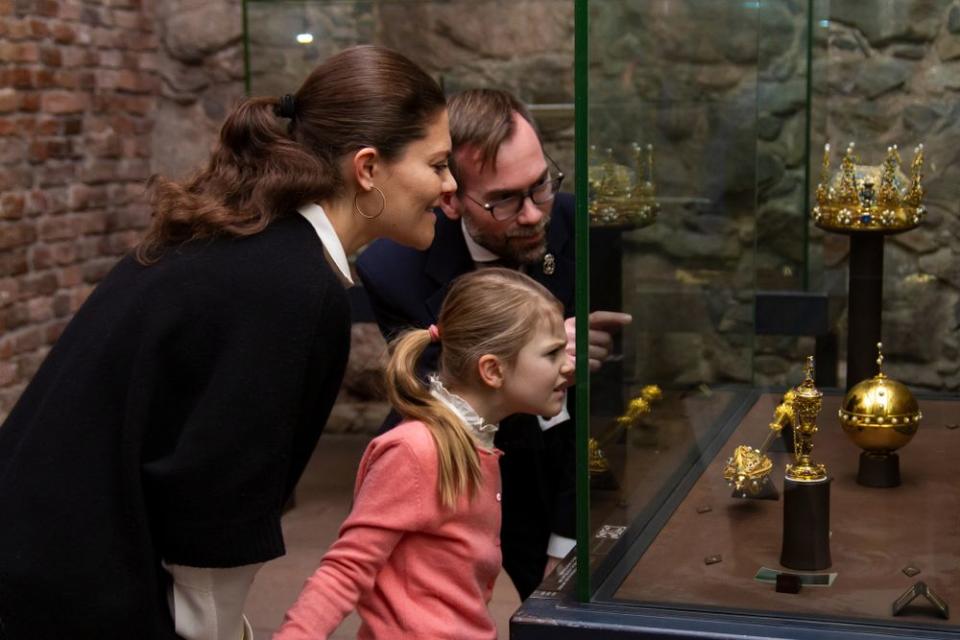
[(201, 72), (78, 86)]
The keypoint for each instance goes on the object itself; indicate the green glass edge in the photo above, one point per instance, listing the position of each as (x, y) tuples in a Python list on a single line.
[(246, 50), (806, 149), (580, 58)]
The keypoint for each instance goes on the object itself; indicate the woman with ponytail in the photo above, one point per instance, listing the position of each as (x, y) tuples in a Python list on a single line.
[(420, 552), (145, 467)]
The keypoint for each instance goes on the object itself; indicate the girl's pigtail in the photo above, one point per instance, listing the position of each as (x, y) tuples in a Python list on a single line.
[(459, 463)]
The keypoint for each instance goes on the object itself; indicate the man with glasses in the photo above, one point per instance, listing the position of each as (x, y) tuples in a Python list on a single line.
[(508, 212)]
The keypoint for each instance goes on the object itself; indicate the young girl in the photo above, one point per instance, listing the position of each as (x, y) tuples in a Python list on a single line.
[(419, 553)]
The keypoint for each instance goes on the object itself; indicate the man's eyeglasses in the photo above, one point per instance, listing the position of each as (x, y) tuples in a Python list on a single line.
[(540, 193)]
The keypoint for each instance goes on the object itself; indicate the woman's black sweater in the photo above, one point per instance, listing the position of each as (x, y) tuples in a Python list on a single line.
[(170, 422)]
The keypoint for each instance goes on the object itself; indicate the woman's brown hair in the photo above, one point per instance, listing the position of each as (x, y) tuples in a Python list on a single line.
[(266, 166), (488, 311)]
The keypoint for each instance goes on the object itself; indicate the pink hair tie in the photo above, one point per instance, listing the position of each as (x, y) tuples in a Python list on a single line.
[(434, 332)]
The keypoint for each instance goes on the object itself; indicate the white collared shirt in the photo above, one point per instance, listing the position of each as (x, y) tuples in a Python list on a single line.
[(318, 219)]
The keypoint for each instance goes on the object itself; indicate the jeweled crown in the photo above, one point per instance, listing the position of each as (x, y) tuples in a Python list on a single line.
[(620, 196), (870, 198)]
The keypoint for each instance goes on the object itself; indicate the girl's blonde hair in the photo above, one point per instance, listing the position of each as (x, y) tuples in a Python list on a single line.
[(489, 311)]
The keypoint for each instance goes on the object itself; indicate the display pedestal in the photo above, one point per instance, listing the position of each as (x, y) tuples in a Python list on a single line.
[(865, 306), (806, 525), (606, 293), (879, 470)]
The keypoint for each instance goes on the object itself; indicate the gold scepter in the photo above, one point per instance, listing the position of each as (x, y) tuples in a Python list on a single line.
[(601, 476), (748, 469)]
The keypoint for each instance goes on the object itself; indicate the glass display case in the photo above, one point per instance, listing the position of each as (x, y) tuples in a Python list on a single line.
[(729, 486)]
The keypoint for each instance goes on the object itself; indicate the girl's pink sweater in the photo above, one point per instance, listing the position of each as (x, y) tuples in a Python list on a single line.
[(411, 568)]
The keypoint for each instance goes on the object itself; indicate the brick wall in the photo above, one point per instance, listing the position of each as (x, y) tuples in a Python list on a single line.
[(78, 86)]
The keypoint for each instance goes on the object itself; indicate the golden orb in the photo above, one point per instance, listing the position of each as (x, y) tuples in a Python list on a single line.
[(880, 414)]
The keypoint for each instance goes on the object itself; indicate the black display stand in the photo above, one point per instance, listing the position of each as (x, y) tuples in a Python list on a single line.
[(606, 294), (879, 470), (806, 525), (865, 306)]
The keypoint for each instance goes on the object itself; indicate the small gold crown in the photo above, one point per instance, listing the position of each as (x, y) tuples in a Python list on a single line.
[(620, 196), (870, 198)]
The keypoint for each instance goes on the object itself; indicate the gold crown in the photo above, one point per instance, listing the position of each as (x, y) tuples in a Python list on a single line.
[(870, 198), (620, 196)]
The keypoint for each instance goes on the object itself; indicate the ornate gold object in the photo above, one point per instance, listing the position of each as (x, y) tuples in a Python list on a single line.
[(806, 407), (880, 414), (597, 462), (748, 468), (870, 198), (784, 414), (639, 405), (620, 196)]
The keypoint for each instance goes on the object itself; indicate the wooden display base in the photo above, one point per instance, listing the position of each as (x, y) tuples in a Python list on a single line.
[(806, 525), (879, 470)]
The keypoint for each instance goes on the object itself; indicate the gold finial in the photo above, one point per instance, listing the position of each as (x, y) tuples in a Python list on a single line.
[(848, 179), (889, 196), (636, 408), (823, 194), (915, 193), (808, 370), (650, 163), (879, 359)]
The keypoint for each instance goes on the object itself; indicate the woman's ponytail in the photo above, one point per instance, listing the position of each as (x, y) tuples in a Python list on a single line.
[(257, 173), (459, 464)]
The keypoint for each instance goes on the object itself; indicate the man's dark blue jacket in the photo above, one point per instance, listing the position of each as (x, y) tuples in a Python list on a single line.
[(406, 288)]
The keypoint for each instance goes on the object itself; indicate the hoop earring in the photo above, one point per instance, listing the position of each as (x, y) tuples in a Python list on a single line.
[(383, 204)]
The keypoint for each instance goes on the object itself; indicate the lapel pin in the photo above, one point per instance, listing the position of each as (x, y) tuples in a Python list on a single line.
[(549, 264)]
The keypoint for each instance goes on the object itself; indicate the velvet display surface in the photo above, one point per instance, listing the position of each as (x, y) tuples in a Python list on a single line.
[(875, 533)]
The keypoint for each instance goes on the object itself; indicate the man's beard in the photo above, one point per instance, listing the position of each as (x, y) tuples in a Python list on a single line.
[(526, 253), (508, 248)]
